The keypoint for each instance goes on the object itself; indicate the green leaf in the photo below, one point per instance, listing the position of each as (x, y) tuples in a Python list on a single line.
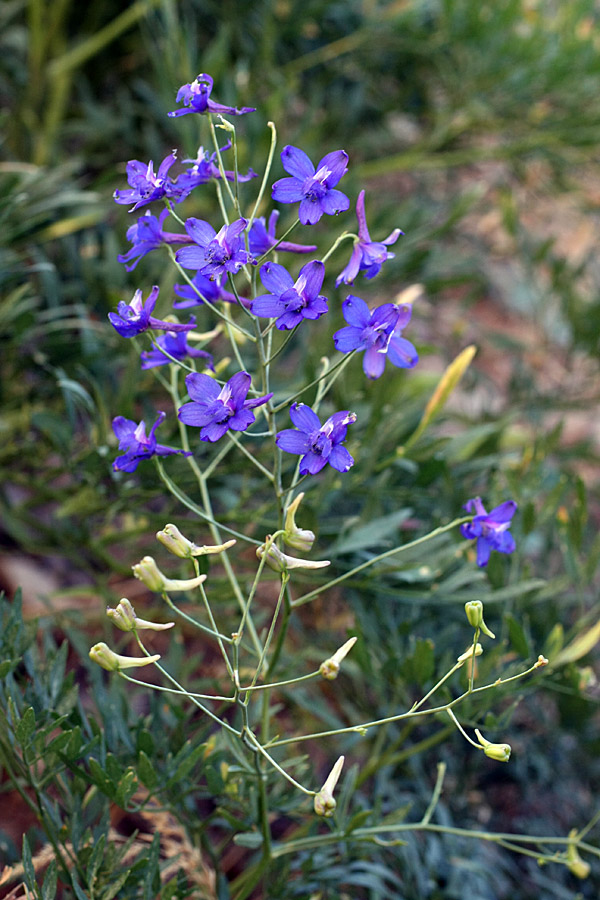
[(378, 531), (25, 727), (517, 636), (146, 771), (49, 885), (95, 860), (7, 665), (28, 869), (252, 840), (126, 787)]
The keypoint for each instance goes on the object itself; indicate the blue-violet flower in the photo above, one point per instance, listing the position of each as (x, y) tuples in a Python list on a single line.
[(136, 317), (196, 97), (378, 333), (317, 444), (201, 289), (176, 346), (205, 167), (146, 185), (261, 238), (291, 302), (137, 445), (367, 255), (490, 529), (315, 190), (216, 409), (146, 235), (213, 254)]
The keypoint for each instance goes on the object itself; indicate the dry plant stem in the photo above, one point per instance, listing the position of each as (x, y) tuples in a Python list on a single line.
[(305, 598), (441, 774), (214, 528), (369, 833), (407, 715), (263, 184), (174, 681), (193, 507), (182, 692)]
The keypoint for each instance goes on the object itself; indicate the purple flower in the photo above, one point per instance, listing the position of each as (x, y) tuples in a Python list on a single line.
[(213, 254), (205, 168), (291, 302), (196, 96), (210, 289), (176, 346), (490, 529), (314, 189), (138, 445), (318, 444), (147, 186), (378, 333), (136, 317), (215, 410), (147, 235), (367, 255), (262, 238)]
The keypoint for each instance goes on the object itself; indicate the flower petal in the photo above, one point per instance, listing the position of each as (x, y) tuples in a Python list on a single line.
[(401, 353), (292, 441), (214, 431), (239, 385), (373, 363), (337, 163), (276, 278), (310, 279), (504, 512), (267, 305), (200, 231), (484, 548), (304, 418), (310, 211), (340, 459), (296, 162), (201, 387), (192, 257), (348, 339), (350, 272), (356, 312), (286, 190), (195, 414), (334, 202)]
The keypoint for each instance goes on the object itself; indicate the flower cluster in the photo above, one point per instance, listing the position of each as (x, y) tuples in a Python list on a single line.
[(214, 258)]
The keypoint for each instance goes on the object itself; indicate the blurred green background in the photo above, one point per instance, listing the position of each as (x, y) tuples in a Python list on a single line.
[(475, 127)]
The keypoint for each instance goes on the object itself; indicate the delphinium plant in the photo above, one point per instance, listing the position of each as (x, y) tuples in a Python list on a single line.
[(228, 388)]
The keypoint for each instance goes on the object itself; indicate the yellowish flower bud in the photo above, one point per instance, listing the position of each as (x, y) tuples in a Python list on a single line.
[(281, 562), (149, 574), (330, 668), (474, 611), (298, 538), (172, 538), (500, 752), (124, 617), (469, 653), (324, 802), (113, 662), (541, 661), (576, 865)]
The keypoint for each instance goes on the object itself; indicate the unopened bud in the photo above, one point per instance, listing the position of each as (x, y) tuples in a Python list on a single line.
[(576, 865), (124, 617), (499, 752), (149, 574), (172, 538), (330, 668), (281, 562), (474, 611), (113, 662), (298, 538), (324, 802), (469, 653), (541, 661)]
